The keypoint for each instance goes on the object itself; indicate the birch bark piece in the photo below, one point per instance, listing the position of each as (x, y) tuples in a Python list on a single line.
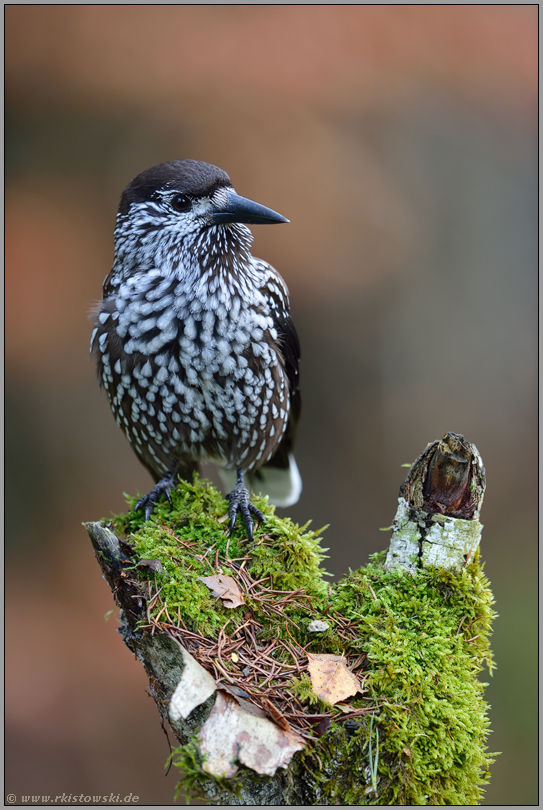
[(195, 687), (404, 546), (230, 733), (317, 626), (451, 542), (447, 542)]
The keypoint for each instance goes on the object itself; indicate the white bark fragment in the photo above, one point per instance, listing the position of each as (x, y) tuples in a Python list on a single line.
[(195, 687), (450, 541), (447, 543), (317, 626), (405, 542), (230, 733)]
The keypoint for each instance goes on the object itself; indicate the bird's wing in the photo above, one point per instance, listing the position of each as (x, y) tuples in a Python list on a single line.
[(279, 477), (276, 293), (122, 363)]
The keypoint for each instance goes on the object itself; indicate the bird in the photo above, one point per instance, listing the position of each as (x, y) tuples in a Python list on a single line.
[(194, 340)]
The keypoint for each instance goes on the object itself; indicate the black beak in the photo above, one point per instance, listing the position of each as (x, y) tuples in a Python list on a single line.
[(239, 209)]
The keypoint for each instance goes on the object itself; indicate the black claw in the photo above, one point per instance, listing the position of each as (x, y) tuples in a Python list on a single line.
[(164, 486), (139, 504), (240, 502), (257, 512)]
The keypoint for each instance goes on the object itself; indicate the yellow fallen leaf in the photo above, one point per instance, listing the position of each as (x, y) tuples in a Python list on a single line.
[(331, 680)]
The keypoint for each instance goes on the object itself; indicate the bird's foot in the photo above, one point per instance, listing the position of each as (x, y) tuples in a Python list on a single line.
[(164, 486), (240, 502)]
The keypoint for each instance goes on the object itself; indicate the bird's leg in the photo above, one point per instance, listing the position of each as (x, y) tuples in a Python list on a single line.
[(165, 485), (239, 502)]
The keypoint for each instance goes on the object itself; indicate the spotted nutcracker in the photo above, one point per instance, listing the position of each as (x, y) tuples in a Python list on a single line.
[(194, 341)]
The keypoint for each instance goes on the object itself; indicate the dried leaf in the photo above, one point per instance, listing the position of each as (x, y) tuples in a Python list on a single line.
[(152, 565), (322, 726), (225, 588), (331, 680), (231, 733), (276, 715)]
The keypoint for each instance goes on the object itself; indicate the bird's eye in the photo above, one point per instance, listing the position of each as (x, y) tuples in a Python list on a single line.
[(180, 203)]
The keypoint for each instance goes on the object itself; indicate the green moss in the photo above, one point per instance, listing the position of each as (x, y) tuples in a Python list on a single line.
[(425, 636), (194, 780), (292, 556), (191, 536)]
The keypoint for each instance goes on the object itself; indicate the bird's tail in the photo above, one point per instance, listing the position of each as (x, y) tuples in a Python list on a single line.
[(283, 484)]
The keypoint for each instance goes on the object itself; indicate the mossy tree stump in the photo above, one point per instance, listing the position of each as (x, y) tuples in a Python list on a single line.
[(246, 646)]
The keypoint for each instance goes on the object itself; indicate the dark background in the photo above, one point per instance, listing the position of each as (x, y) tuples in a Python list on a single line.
[(401, 143)]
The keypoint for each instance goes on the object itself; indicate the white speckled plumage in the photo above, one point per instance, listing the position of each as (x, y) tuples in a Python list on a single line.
[(193, 337)]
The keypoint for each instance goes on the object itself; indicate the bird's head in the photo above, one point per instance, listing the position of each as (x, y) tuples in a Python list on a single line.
[(184, 197)]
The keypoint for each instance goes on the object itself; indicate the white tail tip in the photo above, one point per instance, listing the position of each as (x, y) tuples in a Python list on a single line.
[(282, 486)]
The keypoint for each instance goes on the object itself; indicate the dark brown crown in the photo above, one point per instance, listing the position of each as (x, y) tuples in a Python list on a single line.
[(192, 177)]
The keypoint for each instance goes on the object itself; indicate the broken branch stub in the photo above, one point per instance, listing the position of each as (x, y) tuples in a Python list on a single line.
[(229, 728), (437, 521)]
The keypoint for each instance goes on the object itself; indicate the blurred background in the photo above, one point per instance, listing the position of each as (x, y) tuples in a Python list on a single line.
[(401, 143)]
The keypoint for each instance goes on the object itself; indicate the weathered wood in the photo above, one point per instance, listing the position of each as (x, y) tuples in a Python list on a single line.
[(440, 500), (166, 664)]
